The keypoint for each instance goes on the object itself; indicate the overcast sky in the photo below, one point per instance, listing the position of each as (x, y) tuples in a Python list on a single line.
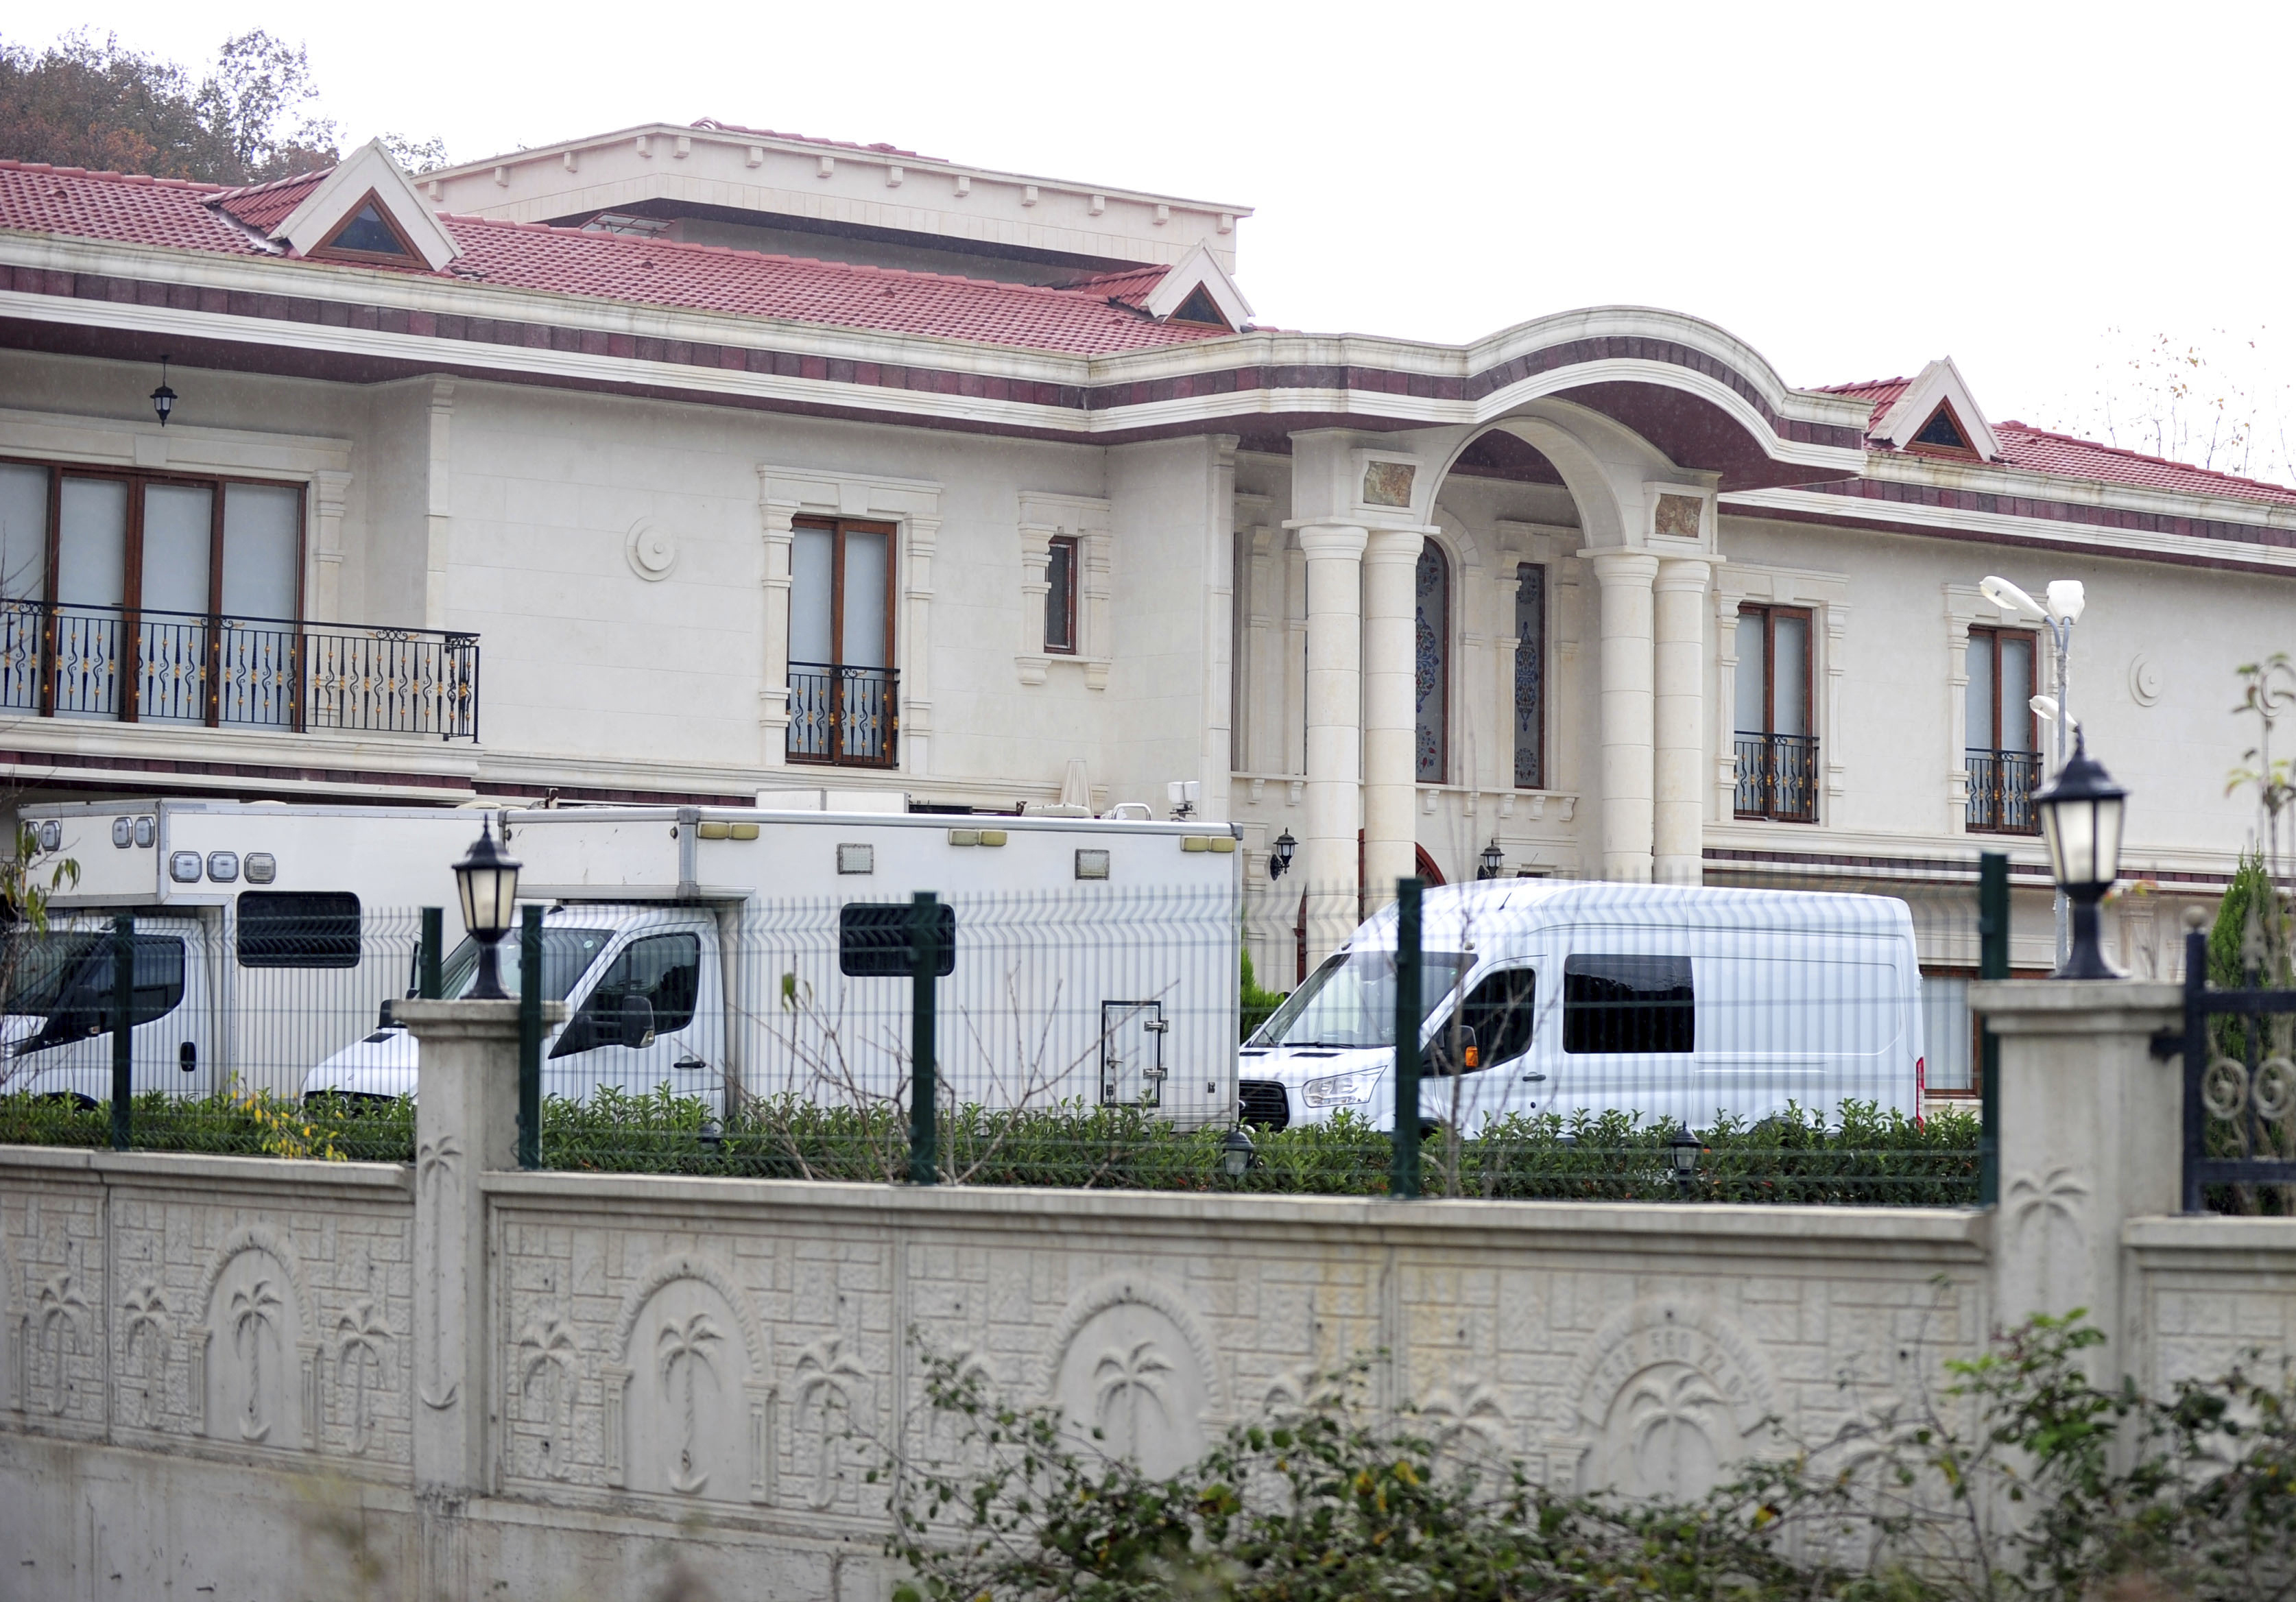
[(1852, 190)]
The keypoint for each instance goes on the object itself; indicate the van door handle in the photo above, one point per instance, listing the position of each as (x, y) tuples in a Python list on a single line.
[(187, 1057), (683, 1063), (1534, 1079)]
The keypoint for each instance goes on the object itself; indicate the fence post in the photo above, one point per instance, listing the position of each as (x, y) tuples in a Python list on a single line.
[(1992, 963), (123, 1029), (924, 952), (1403, 1179), (529, 1037), (427, 983)]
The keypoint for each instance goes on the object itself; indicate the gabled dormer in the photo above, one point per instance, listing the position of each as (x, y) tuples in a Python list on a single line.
[(364, 210), (1938, 416), (1199, 289)]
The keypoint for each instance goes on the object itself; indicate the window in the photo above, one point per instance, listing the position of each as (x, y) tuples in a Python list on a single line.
[(1530, 678), (1350, 1002), (71, 978), (567, 955), (1948, 1032), (841, 690), (172, 599), (663, 970), (1944, 434), (1776, 751), (2003, 751), (873, 940), (1200, 307), (1432, 692), (1499, 1010), (1616, 1005), (1060, 595), (369, 233), (299, 929)]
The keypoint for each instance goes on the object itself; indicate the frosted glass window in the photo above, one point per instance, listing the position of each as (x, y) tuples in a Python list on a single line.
[(24, 532), (1790, 663), (92, 543), (2016, 692), (262, 550), (1980, 692), (1947, 1033), (177, 521), (1753, 675), (866, 556), (812, 568)]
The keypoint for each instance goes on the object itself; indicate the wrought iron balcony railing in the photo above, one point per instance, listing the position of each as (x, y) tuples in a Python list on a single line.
[(2001, 786), (142, 666), (849, 716), (1777, 776)]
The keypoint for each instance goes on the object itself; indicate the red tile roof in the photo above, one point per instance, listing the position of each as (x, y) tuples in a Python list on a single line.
[(1131, 287), (2061, 455), (263, 207), (69, 200)]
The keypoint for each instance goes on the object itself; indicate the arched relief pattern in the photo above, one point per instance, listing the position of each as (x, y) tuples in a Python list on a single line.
[(1129, 1360), (254, 1355), (687, 1407), (1668, 1395)]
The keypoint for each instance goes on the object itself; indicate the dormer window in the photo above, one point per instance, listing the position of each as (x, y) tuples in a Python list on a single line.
[(369, 235), (1200, 307), (1943, 433)]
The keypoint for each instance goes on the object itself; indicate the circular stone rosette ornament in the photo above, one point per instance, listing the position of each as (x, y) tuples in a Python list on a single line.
[(651, 551)]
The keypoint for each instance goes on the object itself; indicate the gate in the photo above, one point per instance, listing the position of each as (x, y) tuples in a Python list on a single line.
[(2239, 1050)]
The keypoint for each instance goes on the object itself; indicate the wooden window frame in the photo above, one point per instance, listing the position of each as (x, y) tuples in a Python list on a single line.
[(838, 527), (1074, 545), (327, 250), (131, 578), (1770, 613), (1956, 453), (2032, 639)]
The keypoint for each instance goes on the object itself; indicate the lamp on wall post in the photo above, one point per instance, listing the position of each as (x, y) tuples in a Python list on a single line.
[(2066, 599), (487, 883), (1493, 860), (163, 398), (2080, 814)]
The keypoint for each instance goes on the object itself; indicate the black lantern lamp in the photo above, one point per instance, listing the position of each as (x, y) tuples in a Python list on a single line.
[(1236, 1154), (163, 398), (2080, 824), (1493, 858), (1279, 860), (1684, 1150), (487, 880)]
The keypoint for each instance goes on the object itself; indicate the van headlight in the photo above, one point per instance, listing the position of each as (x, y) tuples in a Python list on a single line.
[(1342, 1089)]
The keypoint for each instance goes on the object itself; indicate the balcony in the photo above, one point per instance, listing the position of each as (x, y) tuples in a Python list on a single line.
[(124, 665), (2001, 786), (849, 717), (1777, 776)]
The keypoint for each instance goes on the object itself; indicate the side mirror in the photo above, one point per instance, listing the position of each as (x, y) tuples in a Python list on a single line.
[(637, 1019), (1439, 1050), (579, 1035)]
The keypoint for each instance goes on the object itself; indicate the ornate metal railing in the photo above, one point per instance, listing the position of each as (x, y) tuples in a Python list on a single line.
[(143, 666), (2239, 1052), (1777, 776), (2001, 786), (849, 716)]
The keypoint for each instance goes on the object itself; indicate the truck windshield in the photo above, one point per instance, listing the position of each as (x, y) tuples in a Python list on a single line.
[(567, 955), (1350, 1000), (40, 965)]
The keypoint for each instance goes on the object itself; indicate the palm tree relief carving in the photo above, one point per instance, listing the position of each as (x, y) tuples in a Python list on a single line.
[(546, 1347), (62, 1316), (1123, 1379), (361, 1334), (682, 1348), (254, 1314), (826, 1377), (147, 1315)]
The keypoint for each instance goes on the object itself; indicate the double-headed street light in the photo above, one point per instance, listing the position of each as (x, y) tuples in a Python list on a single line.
[(2066, 599)]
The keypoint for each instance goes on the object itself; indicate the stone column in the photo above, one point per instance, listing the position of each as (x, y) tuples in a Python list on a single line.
[(465, 1121), (1679, 815), (1326, 862), (2092, 1135), (779, 520), (1391, 710), (1629, 736)]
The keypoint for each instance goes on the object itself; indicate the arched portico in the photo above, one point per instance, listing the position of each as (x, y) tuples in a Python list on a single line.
[(1643, 443)]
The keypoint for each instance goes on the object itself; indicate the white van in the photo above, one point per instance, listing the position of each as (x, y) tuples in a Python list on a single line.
[(1540, 996)]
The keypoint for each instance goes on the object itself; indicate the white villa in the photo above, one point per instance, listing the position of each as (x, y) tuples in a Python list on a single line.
[(751, 464)]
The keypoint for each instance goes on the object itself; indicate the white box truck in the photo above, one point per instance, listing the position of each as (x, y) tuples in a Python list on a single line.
[(268, 936), (1676, 1003), (731, 951)]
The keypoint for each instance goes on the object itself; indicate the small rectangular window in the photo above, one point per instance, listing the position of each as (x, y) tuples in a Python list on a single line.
[(1500, 1012), (872, 940), (1776, 748), (1530, 678), (1060, 595), (1613, 1005), (299, 929)]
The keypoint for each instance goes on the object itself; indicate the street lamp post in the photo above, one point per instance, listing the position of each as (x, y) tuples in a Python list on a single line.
[(2082, 816), (2066, 600)]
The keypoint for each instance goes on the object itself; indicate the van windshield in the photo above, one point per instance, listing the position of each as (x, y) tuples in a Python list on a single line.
[(1350, 1002), (40, 965), (567, 955)]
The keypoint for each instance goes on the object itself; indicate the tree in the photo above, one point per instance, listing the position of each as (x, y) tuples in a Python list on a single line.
[(253, 118), (2213, 402)]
